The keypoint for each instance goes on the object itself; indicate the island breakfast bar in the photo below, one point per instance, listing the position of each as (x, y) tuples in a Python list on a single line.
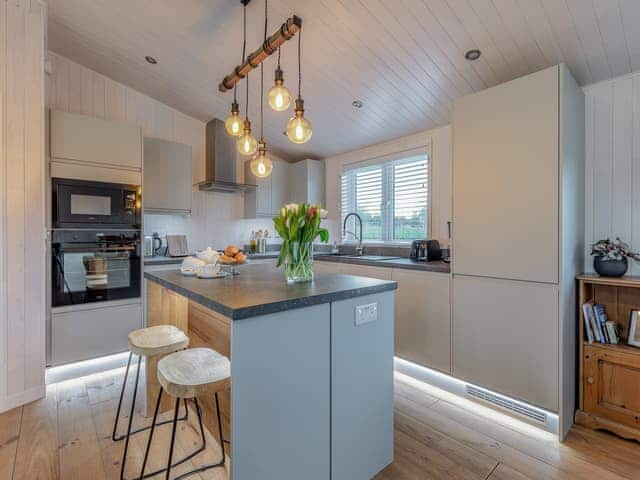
[(311, 368)]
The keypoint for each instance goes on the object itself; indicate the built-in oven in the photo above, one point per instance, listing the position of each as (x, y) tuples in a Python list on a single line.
[(85, 204), (94, 265)]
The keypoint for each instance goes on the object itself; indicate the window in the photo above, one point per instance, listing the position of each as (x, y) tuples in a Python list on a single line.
[(392, 198)]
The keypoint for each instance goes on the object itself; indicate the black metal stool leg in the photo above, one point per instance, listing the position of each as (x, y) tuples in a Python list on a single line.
[(153, 427), (156, 423), (173, 438), (133, 406), (114, 437), (220, 429), (221, 463)]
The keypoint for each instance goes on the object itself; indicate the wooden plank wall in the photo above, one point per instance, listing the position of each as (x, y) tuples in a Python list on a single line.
[(22, 201), (74, 88), (613, 163)]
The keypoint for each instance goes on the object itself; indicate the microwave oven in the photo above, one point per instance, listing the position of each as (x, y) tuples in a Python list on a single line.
[(86, 204)]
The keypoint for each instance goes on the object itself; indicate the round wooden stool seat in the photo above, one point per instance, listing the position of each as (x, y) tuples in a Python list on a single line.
[(157, 340), (192, 372)]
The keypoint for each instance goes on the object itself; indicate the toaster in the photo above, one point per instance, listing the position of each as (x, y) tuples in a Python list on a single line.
[(425, 250)]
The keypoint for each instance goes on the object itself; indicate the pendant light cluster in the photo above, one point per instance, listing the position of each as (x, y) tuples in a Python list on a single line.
[(279, 97)]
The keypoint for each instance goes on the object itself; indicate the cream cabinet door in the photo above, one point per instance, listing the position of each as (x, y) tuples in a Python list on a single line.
[(322, 268), (257, 201), (505, 180), (87, 139), (279, 186), (167, 186), (505, 337), (382, 273), (423, 318)]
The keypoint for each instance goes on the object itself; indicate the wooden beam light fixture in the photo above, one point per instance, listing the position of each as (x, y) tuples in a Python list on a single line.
[(268, 47)]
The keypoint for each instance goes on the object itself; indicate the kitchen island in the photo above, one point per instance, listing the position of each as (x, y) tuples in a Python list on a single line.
[(311, 368)]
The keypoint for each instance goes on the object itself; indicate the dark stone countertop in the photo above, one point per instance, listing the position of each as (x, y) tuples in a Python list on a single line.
[(406, 263), (162, 260), (261, 290)]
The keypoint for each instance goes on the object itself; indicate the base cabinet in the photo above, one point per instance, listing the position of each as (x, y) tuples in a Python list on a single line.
[(362, 411), (423, 318), (611, 383), (505, 337), (87, 333), (381, 273)]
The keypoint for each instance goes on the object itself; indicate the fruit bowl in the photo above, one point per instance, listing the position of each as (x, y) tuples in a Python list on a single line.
[(232, 257)]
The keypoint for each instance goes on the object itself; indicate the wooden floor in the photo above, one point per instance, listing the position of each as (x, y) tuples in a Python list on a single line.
[(438, 436)]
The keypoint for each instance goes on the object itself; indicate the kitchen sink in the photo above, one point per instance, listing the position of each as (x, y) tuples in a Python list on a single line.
[(370, 258)]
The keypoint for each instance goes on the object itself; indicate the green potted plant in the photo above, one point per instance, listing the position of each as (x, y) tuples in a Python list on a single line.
[(299, 225), (610, 257)]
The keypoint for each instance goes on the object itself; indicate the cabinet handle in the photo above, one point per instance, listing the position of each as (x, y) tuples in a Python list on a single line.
[(590, 380)]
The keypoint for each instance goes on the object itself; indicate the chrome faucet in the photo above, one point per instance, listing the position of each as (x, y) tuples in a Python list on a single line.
[(359, 248)]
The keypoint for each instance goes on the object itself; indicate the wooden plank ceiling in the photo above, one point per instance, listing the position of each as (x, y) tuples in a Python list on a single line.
[(403, 58)]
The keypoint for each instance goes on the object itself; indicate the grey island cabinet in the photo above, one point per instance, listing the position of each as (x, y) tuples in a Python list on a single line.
[(311, 368)]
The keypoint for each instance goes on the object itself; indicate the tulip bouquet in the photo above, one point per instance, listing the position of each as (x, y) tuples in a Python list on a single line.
[(299, 225)]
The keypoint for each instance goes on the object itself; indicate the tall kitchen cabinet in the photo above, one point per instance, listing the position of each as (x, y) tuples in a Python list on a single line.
[(518, 214)]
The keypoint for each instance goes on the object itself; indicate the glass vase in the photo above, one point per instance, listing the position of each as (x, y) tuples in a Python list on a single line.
[(298, 266)]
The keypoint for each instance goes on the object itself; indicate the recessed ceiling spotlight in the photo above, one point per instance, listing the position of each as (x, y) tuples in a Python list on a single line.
[(472, 55), (151, 60), (357, 103)]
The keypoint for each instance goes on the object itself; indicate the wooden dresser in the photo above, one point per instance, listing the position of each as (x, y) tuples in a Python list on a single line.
[(610, 374)]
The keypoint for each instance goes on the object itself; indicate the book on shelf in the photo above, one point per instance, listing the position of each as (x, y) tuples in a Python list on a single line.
[(612, 330), (601, 319), (597, 326), (598, 334), (587, 313)]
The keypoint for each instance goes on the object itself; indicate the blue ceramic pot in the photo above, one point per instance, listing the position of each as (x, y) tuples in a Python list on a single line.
[(610, 268)]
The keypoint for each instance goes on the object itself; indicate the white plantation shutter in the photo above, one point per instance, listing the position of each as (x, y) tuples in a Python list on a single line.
[(410, 198), (392, 198)]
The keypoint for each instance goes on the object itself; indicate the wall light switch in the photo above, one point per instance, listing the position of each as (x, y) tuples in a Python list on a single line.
[(366, 314)]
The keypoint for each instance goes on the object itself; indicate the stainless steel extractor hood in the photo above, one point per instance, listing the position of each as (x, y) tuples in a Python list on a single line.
[(220, 161)]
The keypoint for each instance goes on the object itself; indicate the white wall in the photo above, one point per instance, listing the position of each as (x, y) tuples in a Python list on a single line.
[(438, 142), (613, 163), (22, 202), (216, 218)]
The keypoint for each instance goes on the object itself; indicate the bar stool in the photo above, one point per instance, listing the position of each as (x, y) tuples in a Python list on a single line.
[(184, 375), (146, 342)]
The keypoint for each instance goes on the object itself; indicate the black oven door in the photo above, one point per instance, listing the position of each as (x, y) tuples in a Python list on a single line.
[(79, 203), (92, 266)]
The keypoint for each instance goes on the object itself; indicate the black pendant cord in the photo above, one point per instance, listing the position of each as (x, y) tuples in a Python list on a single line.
[(266, 25), (299, 64), (246, 97), (278, 58), (244, 48), (244, 55), (261, 102)]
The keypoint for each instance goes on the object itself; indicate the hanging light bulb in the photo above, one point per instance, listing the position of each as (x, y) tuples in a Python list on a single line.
[(279, 95), (247, 143), (299, 128), (233, 123), (261, 165)]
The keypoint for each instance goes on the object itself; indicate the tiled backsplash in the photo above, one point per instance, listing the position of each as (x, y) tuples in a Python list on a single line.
[(216, 221)]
